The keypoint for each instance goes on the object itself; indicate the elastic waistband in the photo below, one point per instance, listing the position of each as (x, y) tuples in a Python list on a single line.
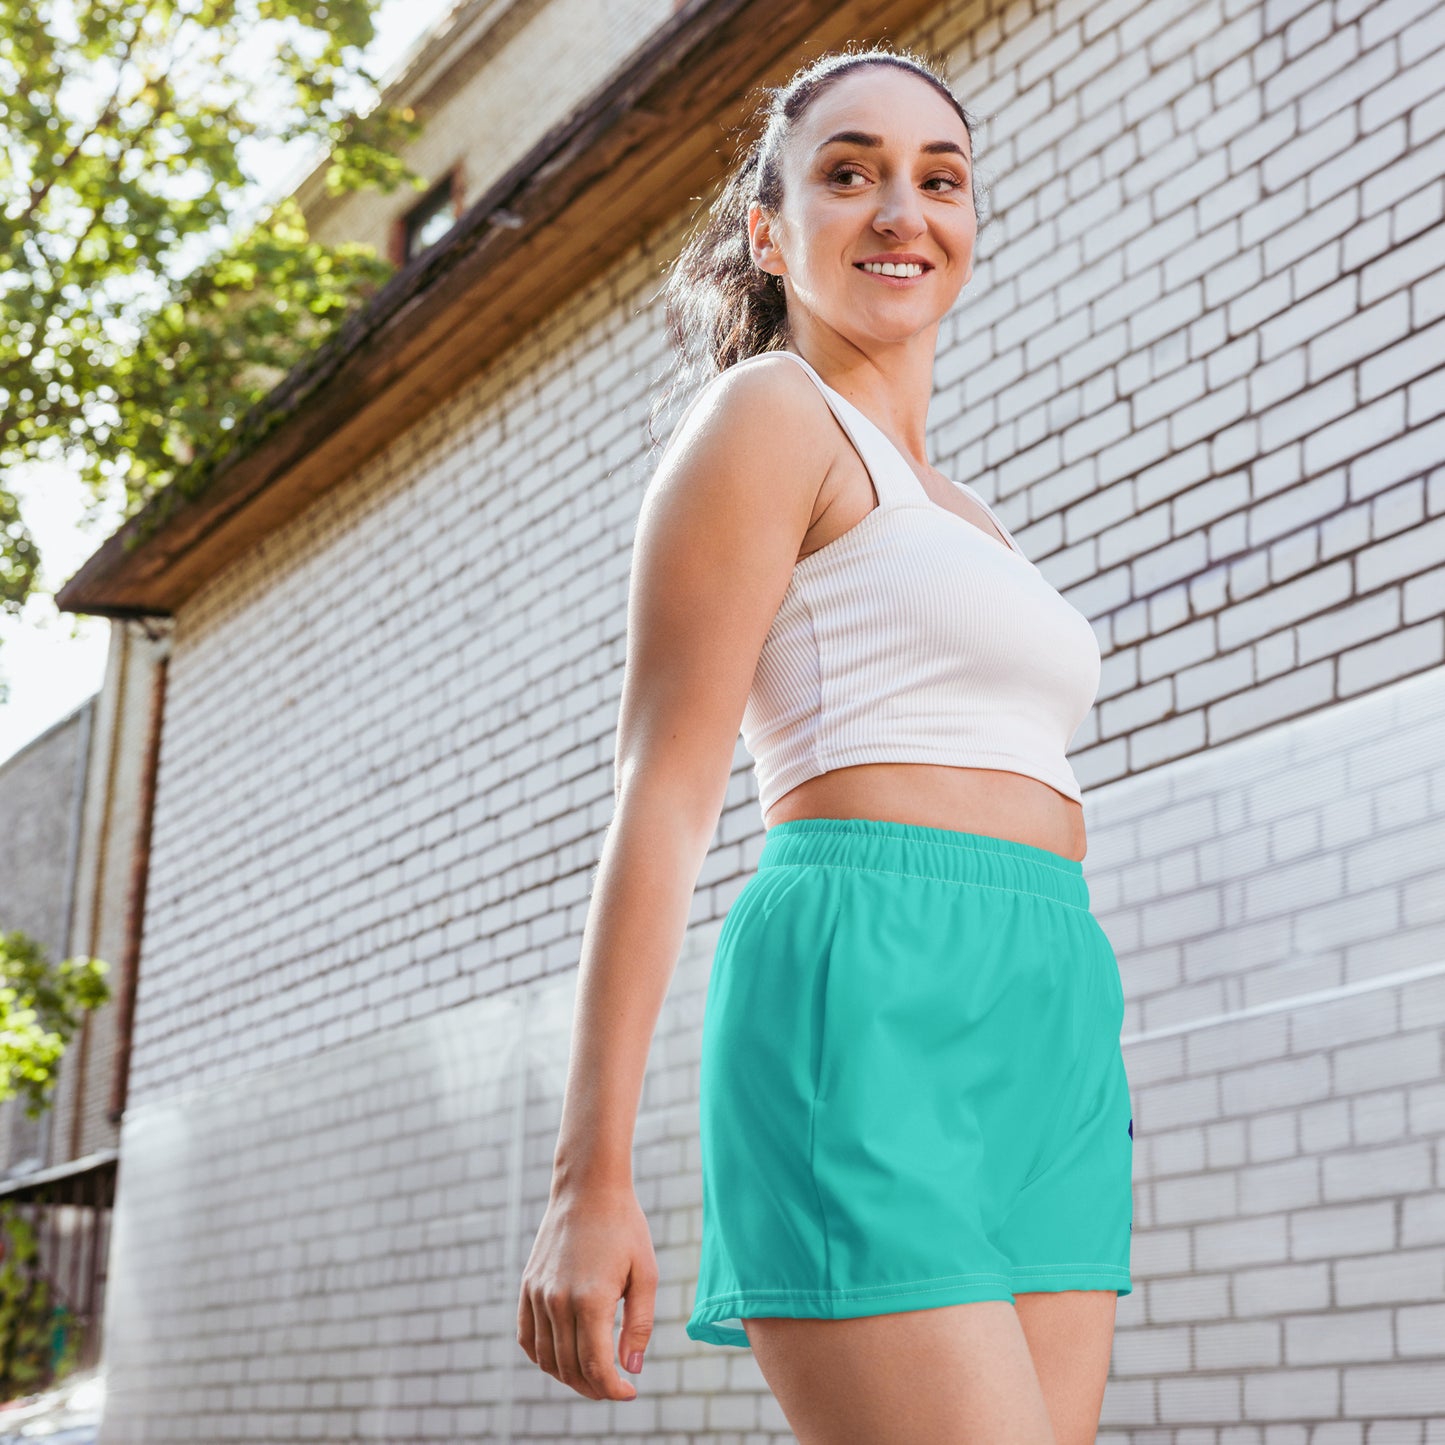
[(916, 851)]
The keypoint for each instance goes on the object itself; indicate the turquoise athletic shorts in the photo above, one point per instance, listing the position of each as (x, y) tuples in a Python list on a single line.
[(912, 1087)]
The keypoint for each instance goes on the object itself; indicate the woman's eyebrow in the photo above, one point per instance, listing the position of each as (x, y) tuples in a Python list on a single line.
[(863, 138)]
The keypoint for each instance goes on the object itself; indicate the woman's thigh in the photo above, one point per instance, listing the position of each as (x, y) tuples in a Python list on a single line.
[(1071, 1338), (953, 1375)]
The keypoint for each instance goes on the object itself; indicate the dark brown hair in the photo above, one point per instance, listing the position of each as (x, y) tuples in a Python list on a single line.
[(719, 306)]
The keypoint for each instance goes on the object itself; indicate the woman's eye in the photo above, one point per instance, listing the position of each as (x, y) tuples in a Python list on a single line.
[(953, 181)]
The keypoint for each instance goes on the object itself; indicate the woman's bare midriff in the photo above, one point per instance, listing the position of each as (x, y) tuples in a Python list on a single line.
[(969, 800)]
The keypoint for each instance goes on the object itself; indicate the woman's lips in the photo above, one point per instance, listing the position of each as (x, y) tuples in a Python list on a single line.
[(897, 281)]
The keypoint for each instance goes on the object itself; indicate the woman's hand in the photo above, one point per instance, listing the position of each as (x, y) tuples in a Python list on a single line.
[(592, 1249)]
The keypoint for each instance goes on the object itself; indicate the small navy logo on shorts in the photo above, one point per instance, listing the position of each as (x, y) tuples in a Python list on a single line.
[(1131, 1128)]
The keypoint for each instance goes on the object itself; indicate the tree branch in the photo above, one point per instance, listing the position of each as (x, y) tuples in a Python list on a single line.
[(111, 110)]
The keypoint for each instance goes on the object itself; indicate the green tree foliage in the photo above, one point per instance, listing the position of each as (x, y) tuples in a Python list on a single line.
[(40, 1008), (141, 314), (31, 1313)]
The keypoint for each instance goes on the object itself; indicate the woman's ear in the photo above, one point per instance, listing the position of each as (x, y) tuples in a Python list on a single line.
[(766, 255)]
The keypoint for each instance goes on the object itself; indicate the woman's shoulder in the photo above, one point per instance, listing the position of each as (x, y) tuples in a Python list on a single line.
[(768, 391), (756, 436)]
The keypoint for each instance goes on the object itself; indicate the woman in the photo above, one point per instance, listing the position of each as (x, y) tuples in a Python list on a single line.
[(915, 1122)]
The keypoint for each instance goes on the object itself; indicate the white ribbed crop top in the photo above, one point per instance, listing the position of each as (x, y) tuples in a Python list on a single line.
[(916, 637)]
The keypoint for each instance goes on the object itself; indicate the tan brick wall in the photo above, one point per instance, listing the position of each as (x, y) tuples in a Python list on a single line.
[(554, 57)]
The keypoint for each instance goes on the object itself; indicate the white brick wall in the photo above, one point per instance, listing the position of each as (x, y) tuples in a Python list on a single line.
[(1195, 371), (1275, 905), (1199, 356)]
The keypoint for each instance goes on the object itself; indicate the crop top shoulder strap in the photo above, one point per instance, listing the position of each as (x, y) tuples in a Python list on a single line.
[(894, 480)]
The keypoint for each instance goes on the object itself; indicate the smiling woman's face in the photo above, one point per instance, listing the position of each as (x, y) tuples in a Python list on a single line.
[(899, 183)]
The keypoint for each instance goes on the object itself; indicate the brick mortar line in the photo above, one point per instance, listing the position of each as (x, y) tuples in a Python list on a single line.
[(1294, 1001)]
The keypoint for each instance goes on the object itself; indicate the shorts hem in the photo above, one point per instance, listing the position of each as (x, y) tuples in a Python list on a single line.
[(704, 1324), (838, 1304), (1053, 1278)]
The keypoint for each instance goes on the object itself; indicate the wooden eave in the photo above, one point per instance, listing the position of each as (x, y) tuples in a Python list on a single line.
[(595, 186)]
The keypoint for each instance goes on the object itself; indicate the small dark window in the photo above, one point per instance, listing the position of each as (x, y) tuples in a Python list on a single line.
[(430, 219)]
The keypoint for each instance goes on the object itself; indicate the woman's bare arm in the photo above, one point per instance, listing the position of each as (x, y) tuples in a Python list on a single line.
[(718, 533), (720, 528)]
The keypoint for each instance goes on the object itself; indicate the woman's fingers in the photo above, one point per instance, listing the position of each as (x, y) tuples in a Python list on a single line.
[(545, 1337), (592, 1336), (564, 1333), (527, 1325)]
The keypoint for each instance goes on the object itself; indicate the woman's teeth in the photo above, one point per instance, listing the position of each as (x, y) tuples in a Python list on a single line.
[(889, 268)]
